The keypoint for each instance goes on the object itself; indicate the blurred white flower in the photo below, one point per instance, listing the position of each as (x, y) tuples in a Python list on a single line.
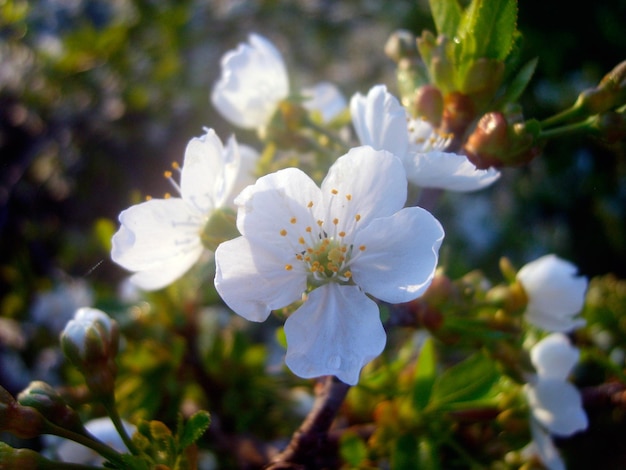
[(382, 122), (555, 293), (555, 404), (253, 81), (161, 239), (325, 98), (335, 244)]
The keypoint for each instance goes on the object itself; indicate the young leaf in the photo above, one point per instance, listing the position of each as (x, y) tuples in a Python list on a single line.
[(447, 16), (194, 428), (425, 374), (464, 382), (487, 29), (519, 82)]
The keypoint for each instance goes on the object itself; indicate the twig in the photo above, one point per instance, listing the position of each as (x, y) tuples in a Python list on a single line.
[(310, 442)]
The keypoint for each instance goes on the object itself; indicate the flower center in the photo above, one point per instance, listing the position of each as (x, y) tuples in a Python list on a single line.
[(323, 250)]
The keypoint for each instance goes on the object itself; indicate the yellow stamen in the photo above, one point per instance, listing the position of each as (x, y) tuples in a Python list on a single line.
[(349, 197), (342, 234), (283, 232), (301, 241), (167, 196), (293, 220), (310, 204), (167, 174), (362, 248), (308, 229), (288, 267), (334, 191), (357, 217), (175, 165), (335, 221)]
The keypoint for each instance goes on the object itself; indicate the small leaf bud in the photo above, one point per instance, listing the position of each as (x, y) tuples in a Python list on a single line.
[(401, 45), (609, 94)]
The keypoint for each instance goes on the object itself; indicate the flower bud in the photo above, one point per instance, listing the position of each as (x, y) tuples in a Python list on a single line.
[(401, 45), (22, 421), (90, 342), (22, 459), (609, 94), (498, 142), (46, 400), (428, 104)]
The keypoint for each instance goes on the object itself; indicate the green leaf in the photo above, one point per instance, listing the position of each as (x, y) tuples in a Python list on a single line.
[(194, 428), (487, 29), (447, 16), (519, 82), (352, 449), (425, 375), (464, 382)]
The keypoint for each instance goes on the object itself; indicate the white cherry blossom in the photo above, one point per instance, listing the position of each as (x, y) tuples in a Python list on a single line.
[(382, 122), (253, 81), (555, 404), (160, 239), (556, 294), (328, 247)]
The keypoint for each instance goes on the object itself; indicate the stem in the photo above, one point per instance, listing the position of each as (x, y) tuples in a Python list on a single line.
[(102, 449), (312, 436), (575, 112), (585, 125), (119, 426)]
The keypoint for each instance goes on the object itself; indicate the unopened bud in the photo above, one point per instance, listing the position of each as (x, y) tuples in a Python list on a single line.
[(221, 227), (22, 421), (46, 400), (497, 142), (401, 45), (22, 459), (90, 342), (428, 104), (609, 94)]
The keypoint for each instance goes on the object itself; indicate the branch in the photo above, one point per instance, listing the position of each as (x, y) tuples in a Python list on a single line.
[(309, 442)]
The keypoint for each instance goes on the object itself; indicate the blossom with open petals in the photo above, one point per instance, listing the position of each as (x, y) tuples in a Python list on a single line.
[(329, 246), (382, 122), (555, 292), (253, 81), (555, 404), (160, 239)]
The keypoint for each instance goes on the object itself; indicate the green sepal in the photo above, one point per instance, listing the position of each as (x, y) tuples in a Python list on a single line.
[(194, 428), (447, 15)]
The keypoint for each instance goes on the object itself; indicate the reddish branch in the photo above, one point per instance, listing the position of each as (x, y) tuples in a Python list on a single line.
[(310, 445)]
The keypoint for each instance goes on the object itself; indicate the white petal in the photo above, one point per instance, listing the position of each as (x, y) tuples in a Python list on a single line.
[(268, 206), (247, 159), (400, 255), (544, 448), (253, 81), (202, 174), (557, 405), (554, 356), (375, 182), (253, 281), (335, 332), (325, 98), (447, 171), (380, 121), (555, 293), (159, 237)]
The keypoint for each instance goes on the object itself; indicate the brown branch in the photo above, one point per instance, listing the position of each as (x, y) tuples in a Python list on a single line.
[(310, 446)]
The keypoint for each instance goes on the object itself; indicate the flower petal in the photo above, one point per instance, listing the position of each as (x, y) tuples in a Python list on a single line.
[(380, 121), (202, 175), (253, 81), (267, 207), (159, 237), (554, 356), (367, 182), (544, 448), (447, 171), (253, 281), (555, 293), (400, 255), (557, 405), (325, 98), (335, 332)]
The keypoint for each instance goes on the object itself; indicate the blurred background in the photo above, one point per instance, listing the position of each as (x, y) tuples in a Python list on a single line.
[(99, 97)]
